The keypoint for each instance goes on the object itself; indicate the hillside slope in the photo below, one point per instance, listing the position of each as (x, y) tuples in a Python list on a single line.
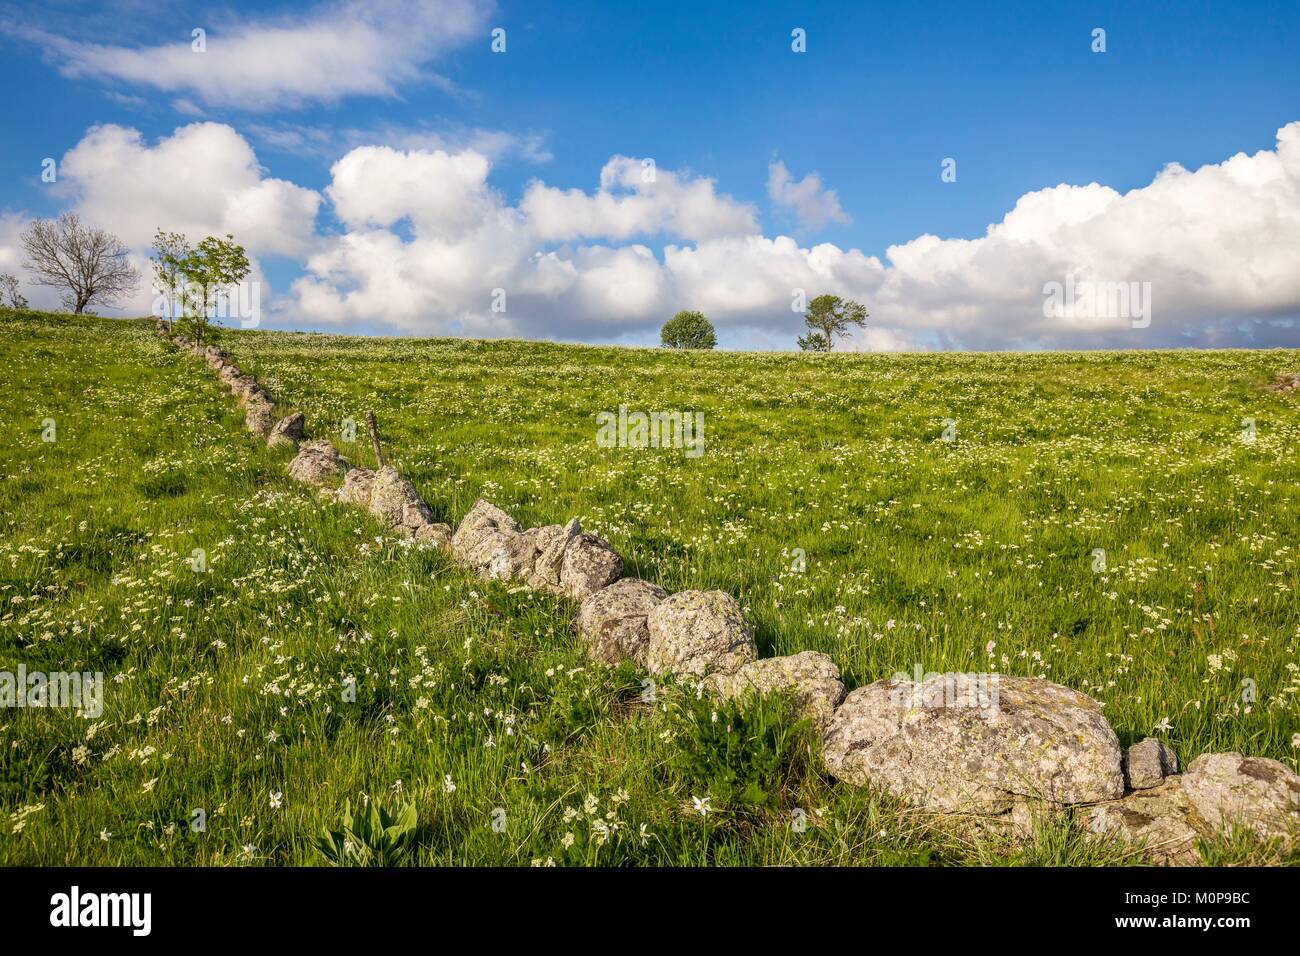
[(975, 553)]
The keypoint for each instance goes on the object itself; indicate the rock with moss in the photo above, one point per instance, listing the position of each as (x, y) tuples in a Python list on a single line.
[(812, 677), (954, 746), (1228, 789), (698, 633), (317, 463), (614, 622)]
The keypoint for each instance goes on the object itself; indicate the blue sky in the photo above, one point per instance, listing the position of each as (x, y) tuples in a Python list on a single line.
[(1013, 92)]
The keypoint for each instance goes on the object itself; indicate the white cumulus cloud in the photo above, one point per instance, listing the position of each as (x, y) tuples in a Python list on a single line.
[(362, 47), (636, 198), (811, 203)]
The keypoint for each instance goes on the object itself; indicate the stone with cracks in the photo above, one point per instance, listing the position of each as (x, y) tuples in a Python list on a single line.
[(288, 430), (317, 463), (1161, 818), (1255, 792), (589, 564), (613, 621), (492, 543), (552, 542), (1148, 763), (356, 486), (812, 676), (259, 416), (394, 501), (698, 633), (952, 753)]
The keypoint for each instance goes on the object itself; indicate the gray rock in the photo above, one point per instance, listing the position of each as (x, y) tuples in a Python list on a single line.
[(395, 502), (589, 565), (288, 431), (813, 676), (1254, 792), (317, 463), (698, 633), (952, 752), (356, 487), (437, 534), (1147, 763), (1160, 818), (613, 621), (551, 545), (492, 543), (505, 556), (259, 416), (246, 389)]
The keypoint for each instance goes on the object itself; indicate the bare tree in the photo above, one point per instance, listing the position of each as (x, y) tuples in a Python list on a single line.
[(10, 293), (89, 264)]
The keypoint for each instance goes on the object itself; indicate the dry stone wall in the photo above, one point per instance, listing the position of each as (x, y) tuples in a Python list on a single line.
[(1042, 745)]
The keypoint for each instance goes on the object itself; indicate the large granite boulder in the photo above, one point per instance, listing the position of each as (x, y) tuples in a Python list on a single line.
[(1255, 792), (975, 743), (613, 621), (492, 543), (697, 633), (589, 564), (317, 463)]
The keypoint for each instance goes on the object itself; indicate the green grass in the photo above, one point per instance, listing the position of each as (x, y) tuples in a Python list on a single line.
[(228, 686)]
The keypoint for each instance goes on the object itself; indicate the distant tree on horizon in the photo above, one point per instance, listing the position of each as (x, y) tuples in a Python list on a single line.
[(10, 295), (210, 271), (827, 317), (688, 330), (170, 250)]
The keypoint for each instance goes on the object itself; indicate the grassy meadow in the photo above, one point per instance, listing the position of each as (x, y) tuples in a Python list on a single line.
[(946, 512)]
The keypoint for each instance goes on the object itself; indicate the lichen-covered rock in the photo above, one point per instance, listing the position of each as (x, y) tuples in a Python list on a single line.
[(356, 487), (395, 502), (551, 542), (613, 621), (589, 564), (288, 430), (259, 416), (952, 752), (1160, 817), (492, 543), (1147, 763), (698, 633), (437, 534), (812, 676), (1255, 792), (317, 463)]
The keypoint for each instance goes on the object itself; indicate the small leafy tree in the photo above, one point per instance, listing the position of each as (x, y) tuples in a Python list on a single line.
[(827, 317), (813, 342), (90, 265), (210, 271), (170, 251), (688, 330), (10, 294)]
